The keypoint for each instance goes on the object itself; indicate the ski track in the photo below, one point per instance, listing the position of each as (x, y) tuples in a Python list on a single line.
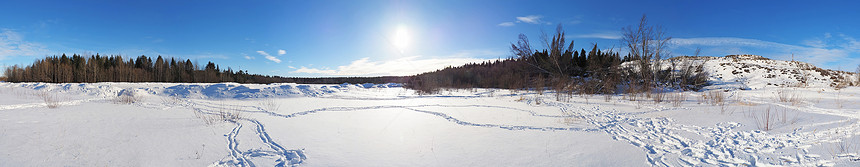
[(412, 108), (664, 146), (34, 105), (659, 138), (295, 157), (239, 157)]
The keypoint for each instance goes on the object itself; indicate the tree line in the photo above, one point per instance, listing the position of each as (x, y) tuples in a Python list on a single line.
[(115, 68)]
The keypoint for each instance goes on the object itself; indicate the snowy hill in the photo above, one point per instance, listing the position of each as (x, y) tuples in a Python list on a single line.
[(756, 72)]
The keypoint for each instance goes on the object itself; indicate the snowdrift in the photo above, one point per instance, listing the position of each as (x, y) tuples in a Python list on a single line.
[(202, 90)]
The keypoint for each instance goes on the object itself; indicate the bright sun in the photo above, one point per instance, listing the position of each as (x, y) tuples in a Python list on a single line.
[(401, 38)]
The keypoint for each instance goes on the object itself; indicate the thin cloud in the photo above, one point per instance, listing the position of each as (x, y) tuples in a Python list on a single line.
[(13, 44), (270, 57), (531, 19), (850, 43), (313, 71), (601, 35), (398, 67), (282, 52), (816, 43), (506, 24), (249, 57)]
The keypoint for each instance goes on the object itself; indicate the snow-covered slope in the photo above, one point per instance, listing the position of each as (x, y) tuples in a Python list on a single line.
[(755, 72)]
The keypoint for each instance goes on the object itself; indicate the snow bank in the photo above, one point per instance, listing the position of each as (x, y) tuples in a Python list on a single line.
[(756, 72), (201, 90)]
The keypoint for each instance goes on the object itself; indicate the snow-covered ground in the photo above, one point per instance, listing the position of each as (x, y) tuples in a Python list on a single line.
[(386, 125), (758, 112)]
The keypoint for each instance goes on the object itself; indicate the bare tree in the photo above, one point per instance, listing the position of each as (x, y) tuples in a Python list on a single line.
[(522, 49), (648, 44), (556, 46), (858, 74)]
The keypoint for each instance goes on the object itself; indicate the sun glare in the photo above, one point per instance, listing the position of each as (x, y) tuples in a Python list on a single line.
[(401, 38)]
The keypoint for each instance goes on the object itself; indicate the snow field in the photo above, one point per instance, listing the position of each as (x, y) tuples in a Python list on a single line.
[(384, 125)]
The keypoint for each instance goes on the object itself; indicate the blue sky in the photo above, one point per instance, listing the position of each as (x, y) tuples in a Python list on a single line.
[(372, 38)]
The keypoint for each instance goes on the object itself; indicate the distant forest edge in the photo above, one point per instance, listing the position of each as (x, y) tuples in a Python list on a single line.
[(114, 68), (562, 68)]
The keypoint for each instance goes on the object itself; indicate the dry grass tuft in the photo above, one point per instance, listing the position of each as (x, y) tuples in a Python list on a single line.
[(770, 118), (715, 98), (222, 113), (171, 100), (269, 104), (789, 96), (677, 98)]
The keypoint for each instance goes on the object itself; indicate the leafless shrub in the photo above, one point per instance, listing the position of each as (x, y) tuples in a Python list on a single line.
[(537, 100), (659, 96), (845, 148), (539, 85), (765, 120), (633, 96), (715, 98), (839, 98), (21, 92), (857, 74), (562, 87), (50, 99), (269, 104)]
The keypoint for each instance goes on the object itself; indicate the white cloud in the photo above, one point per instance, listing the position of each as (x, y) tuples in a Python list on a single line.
[(531, 19), (249, 57), (601, 35), (314, 71), (13, 44), (850, 43), (819, 54), (282, 52), (816, 43), (398, 67), (506, 24), (270, 57)]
